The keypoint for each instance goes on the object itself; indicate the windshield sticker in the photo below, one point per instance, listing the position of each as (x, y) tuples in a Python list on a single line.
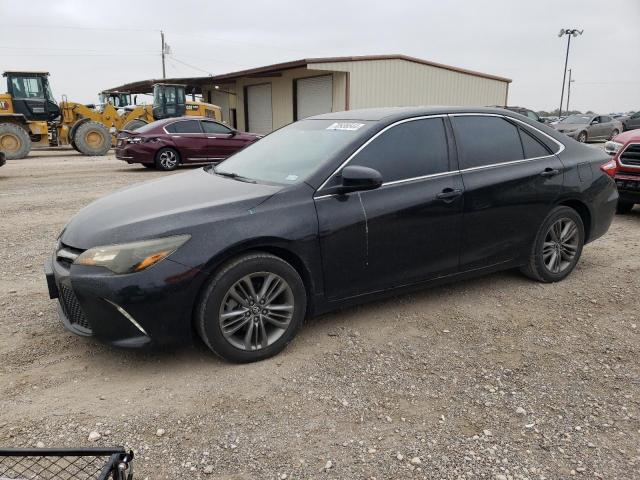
[(345, 126), (291, 178)]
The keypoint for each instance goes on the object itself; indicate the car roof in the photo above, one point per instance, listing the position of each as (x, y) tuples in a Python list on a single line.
[(398, 113), (165, 121)]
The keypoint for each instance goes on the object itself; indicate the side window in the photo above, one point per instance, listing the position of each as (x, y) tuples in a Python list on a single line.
[(605, 119), (485, 140), (532, 147), (213, 127), (27, 87), (186, 126), (408, 150)]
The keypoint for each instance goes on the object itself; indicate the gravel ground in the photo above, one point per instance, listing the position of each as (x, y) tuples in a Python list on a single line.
[(498, 377)]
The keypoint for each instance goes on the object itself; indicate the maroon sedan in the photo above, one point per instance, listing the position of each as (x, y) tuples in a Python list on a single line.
[(167, 143)]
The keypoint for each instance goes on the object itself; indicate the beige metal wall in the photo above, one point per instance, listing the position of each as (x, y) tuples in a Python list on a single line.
[(282, 93), (391, 83)]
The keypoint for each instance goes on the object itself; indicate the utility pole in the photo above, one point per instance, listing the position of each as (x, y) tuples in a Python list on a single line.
[(163, 50), (569, 90), (569, 33)]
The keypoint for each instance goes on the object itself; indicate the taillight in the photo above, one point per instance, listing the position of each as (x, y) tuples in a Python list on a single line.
[(609, 168)]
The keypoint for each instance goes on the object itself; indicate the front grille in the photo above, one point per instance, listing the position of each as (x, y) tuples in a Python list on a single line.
[(72, 309), (631, 155)]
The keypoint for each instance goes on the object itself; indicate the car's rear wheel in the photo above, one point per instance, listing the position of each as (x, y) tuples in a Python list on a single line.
[(557, 247), (614, 133), (624, 207), (167, 159), (582, 137), (252, 308)]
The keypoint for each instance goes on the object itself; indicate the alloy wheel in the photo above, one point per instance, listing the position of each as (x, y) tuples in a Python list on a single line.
[(560, 245), (168, 159), (582, 138), (256, 311)]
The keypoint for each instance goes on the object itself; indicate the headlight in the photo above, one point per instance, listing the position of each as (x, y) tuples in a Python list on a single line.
[(612, 147), (132, 257)]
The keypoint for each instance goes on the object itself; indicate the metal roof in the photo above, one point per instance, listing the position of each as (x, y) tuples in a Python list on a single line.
[(145, 86)]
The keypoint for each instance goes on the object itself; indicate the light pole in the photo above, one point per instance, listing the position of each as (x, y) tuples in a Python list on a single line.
[(569, 32), (569, 90)]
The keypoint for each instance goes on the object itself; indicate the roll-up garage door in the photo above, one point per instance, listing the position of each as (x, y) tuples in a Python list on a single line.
[(314, 96), (259, 108)]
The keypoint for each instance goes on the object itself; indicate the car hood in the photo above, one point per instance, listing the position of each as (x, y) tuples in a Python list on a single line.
[(628, 136), (163, 207)]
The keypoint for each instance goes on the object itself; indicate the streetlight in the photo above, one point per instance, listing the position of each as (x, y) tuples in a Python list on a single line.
[(569, 32), (569, 90)]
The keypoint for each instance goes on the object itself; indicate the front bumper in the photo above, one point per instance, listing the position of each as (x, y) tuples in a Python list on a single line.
[(628, 187), (149, 307)]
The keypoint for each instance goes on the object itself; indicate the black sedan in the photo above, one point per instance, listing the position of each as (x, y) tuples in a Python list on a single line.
[(326, 212)]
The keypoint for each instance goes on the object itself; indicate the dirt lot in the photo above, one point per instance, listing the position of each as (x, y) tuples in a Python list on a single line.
[(498, 377)]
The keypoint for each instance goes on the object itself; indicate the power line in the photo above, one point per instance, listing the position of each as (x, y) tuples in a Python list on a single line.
[(64, 49), (191, 66), (77, 27)]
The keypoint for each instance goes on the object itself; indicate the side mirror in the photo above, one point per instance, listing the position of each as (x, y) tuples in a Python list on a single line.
[(356, 178), (595, 122)]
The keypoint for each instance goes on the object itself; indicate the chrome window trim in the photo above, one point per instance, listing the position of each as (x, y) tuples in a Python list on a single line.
[(471, 169), (626, 165)]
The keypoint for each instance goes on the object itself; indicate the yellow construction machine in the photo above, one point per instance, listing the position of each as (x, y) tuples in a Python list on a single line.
[(30, 116)]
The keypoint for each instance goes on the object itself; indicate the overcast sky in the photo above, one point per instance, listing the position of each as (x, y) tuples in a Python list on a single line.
[(116, 42)]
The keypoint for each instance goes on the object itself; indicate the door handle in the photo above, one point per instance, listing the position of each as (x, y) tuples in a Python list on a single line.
[(549, 172), (449, 194)]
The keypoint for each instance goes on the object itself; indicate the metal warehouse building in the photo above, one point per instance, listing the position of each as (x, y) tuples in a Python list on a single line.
[(265, 98)]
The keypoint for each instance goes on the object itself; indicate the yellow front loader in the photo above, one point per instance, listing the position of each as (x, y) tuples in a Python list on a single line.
[(30, 116)]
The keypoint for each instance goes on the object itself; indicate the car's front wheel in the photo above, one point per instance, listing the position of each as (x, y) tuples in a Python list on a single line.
[(557, 247), (582, 137), (614, 133), (252, 308)]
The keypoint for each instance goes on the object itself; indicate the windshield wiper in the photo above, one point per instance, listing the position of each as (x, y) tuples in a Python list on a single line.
[(233, 175)]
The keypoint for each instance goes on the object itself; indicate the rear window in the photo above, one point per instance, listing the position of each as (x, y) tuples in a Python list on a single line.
[(486, 140), (185, 126)]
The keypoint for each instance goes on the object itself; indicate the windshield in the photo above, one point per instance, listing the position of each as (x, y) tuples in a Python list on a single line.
[(577, 119), (291, 154), (27, 87)]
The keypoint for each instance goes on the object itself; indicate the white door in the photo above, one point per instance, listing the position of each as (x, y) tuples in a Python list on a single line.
[(314, 96), (259, 108)]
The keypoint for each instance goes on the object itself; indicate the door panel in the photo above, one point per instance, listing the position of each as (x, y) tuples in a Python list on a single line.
[(192, 146), (503, 208), (396, 235)]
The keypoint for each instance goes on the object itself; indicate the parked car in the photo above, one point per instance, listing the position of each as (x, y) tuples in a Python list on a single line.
[(586, 128), (631, 122), (526, 112), (329, 211), (165, 144), (625, 149)]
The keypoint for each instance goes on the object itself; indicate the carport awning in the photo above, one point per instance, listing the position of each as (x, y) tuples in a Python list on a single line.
[(194, 84)]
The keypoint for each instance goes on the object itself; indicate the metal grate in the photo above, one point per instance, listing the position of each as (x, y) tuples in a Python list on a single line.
[(58, 464), (72, 309), (631, 155)]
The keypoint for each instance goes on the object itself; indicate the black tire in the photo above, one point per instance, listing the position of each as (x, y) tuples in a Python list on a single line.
[(623, 207), (74, 146), (14, 141), (614, 133), (92, 138), (215, 293), (535, 267), (133, 124), (167, 159), (582, 137)]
